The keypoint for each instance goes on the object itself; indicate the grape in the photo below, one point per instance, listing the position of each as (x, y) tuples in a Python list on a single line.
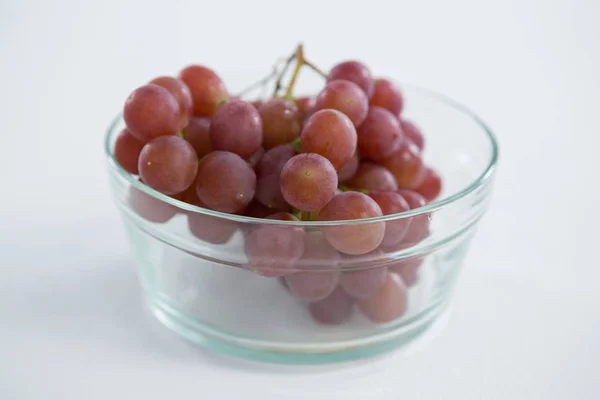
[(419, 226), (353, 71), (388, 303), (207, 89), (349, 169), (236, 127), (257, 104), (256, 210), (308, 181), (335, 309), (255, 158), (330, 134), (127, 151), (272, 250), (319, 274), (357, 238), (412, 132), (182, 94), (393, 203), (151, 111), (168, 164), (379, 135), (150, 208), (406, 165), (387, 95), (268, 173), (225, 182), (196, 132), (306, 106), (373, 178), (344, 96), (281, 121), (408, 269), (210, 229), (431, 186), (361, 284)]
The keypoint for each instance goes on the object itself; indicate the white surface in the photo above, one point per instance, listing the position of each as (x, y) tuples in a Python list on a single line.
[(525, 321)]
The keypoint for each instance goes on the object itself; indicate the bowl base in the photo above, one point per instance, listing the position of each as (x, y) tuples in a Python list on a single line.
[(283, 353)]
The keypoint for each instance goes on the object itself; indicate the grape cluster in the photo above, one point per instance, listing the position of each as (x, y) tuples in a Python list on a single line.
[(345, 153)]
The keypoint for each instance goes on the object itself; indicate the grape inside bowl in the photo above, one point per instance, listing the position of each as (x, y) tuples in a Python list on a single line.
[(316, 290)]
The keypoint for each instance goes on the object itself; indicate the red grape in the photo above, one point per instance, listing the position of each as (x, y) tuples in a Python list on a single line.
[(373, 178), (268, 176), (359, 238), (419, 226), (431, 187), (127, 151), (272, 250), (349, 169), (151, 111), (282, 122), (388, 303), (406, 165), (393, 203), (150, 208), (361, 284), (196, 132), (379, 135), (306, 106), (210, 229), (236, 127), (225, 182), (207, 89), (412, 132), (319, 274), (387, 95), (256, 210), (353, 71), (330, 134), (182, 94), (408, 269), (255, 158), (308, 181), (344, 96), (256, 103), (335, 309), (168, 164)]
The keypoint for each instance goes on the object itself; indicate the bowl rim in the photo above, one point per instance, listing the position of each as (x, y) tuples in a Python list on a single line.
[(481, 180)]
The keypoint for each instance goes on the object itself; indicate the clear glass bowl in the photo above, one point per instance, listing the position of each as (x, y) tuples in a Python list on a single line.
[(197, 278)]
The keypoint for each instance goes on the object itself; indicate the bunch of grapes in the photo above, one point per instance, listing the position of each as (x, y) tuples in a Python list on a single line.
[(345, 153)]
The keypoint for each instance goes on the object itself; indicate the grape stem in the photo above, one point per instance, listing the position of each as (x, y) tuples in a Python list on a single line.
[(288, 62), (260, 83), (299, 63)]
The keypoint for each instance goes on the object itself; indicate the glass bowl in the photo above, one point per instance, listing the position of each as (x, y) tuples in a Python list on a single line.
[(223, 281)]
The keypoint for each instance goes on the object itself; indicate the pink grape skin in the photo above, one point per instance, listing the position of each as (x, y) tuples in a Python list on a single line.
[(346, 97), (268, 176), (330, 134), (388, 303), (206, 87), (388, 96), (406, 165), (127, 151), (353, 238), (210, 229), (168, 164), (306, 106), (281, 122), (256, 210), (225, 182), (408, 269), (373, 178), (419, 226), (335, 309), (353, 71), (412, 132), (150, 208), (319, 272), (255, 158), (272, 250), (431, 187), (308, 181), (182, 94), (379, 135), (151, 111), (236, 127), (349, 169), (361, 284), (393, 203), (196, 133)]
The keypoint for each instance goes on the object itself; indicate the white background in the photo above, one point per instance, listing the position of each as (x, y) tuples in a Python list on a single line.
[(526, 319)]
